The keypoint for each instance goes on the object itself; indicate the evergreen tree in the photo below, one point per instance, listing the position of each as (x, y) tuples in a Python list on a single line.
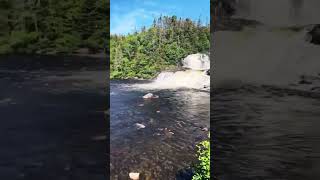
[(48, 26), (143, 54)]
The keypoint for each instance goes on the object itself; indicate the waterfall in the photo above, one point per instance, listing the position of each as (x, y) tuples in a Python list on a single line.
[(264, 56), (194, 77), (279, 13)]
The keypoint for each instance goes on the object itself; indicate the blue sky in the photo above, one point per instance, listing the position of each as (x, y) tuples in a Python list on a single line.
[(126, 15)]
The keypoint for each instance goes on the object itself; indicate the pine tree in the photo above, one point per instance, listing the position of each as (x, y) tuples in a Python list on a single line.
[(162, 46)]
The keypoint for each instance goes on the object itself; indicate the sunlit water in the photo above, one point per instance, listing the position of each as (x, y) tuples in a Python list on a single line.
[(174, 124)]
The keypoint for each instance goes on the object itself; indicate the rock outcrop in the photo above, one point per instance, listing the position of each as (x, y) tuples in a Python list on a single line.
[(197, 61)]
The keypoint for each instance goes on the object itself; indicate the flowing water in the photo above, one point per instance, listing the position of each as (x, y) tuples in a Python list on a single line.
[(266, 102), (279, 13), (263, 132), (156, 137), (52, 120), (180, 79)]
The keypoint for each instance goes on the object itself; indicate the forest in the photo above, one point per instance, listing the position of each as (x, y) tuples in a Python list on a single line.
[(51, 27), (144, 53)]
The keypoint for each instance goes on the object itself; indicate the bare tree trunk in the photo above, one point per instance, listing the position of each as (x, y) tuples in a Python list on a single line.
[(36, 23)]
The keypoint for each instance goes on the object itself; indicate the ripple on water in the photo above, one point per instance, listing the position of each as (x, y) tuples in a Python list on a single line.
[(261, 135), (167, 143)]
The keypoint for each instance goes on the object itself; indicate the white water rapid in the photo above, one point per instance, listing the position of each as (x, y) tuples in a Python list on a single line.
[(194, 77)]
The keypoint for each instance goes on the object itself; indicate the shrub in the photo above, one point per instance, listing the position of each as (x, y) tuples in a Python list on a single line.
[(5, 47), (202, 170), (94, 43), (23, 42), (67, 43)]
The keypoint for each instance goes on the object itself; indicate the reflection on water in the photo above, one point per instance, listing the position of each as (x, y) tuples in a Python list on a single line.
[(174, 125)]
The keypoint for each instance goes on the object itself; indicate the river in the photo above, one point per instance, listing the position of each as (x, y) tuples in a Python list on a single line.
[(266, 102), (52, 117), (174, 123), (264, 132)]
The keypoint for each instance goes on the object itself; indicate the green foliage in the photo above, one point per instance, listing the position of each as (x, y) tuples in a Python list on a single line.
[(5, 47), (19, 42), (143, 54), (173, 53), (44, 26), (67, 43), (94, 42), (203, 169)]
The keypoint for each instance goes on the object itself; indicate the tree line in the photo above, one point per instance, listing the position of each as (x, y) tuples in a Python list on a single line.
[(53, 26), (162, 46)]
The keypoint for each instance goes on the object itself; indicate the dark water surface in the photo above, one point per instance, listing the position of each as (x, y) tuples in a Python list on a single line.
[(266, 103), (266, 133), (167, 143), (52, 118)]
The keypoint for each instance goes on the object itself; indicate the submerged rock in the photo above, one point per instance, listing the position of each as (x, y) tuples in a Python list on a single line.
[(168, 132), (151, 121)]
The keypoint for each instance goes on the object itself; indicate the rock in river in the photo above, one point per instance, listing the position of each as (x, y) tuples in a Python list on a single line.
[(139, 126), (149, 96), (314, 35), (134, 176)]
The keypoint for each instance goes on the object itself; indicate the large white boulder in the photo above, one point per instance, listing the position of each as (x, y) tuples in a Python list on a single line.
[(197, 62)]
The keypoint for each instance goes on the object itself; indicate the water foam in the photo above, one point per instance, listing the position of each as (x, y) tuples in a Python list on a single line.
[(195, 77), (264, 56)]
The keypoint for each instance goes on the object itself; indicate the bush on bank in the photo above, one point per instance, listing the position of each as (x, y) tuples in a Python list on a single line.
[(202, 170)]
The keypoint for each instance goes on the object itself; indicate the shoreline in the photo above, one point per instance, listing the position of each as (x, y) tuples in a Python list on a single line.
[(77, 53), (90, 56), (52, 62)]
